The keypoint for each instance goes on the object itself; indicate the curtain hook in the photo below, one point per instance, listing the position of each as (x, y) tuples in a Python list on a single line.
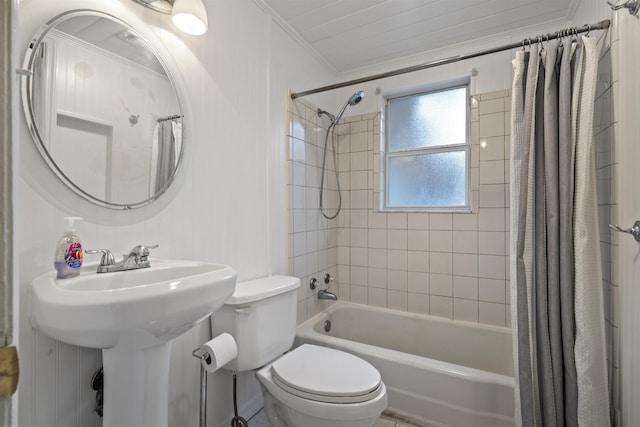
[(588, 29)]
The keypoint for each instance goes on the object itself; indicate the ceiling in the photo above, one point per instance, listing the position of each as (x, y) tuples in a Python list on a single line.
[(351, 34)]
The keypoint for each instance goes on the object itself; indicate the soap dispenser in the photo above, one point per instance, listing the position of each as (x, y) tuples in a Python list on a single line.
[(68, 255)]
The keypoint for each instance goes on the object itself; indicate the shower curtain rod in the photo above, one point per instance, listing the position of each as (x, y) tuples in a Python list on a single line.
[(164, 119), (602, 25)]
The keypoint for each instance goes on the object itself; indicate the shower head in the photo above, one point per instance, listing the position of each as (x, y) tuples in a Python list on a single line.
[(353, 100), (356, 98)]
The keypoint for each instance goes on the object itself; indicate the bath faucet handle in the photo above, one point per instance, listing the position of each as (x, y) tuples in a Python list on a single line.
[(327, 279), (107, 256)]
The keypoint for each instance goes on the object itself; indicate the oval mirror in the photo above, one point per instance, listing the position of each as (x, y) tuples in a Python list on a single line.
[(103, 109)]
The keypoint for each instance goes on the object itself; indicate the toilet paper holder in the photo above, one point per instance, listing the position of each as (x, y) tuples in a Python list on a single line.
[(202, 357)]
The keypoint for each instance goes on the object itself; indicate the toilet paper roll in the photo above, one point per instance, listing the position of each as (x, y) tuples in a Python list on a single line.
[(221, 350)]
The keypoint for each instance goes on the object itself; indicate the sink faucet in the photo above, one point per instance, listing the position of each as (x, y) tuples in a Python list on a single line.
[(138, 257)]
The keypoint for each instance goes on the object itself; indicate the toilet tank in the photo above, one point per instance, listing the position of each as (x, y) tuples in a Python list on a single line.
[(261, 317)]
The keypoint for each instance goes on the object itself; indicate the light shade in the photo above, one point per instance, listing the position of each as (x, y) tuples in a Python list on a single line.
[(190, 16)]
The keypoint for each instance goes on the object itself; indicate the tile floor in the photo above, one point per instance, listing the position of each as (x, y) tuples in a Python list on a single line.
[(260, 420)]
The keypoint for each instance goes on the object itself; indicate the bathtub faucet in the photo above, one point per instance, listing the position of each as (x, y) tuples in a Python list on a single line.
[(325, 294)]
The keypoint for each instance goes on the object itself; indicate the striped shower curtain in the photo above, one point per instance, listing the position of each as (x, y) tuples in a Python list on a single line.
[(556, 282)]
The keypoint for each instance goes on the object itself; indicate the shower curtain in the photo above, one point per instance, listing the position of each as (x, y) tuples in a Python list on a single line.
[(165, 152), (556, 282)]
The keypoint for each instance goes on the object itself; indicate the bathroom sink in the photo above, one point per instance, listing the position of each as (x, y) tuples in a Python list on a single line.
[(132, 316), (136, 308)]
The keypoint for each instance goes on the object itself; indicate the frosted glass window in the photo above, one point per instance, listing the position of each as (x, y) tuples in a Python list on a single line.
[(428, 119), (426, 154), (437, 179)]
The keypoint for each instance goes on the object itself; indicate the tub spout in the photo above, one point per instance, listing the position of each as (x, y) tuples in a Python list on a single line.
[(324, 294)]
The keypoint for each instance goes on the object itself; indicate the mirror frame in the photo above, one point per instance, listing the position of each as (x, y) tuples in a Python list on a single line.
[(27, 92)]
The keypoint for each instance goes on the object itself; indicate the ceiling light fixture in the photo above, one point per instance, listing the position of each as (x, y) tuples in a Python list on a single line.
[(190, 16)]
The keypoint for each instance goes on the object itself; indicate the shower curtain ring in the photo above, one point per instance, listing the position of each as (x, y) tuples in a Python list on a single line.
[(588, 29)]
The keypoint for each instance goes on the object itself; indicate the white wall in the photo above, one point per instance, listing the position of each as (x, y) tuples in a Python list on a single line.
[(220, 209)]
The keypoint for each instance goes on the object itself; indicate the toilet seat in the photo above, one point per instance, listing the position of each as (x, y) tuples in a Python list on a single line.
[(326, 375), (334, 412)]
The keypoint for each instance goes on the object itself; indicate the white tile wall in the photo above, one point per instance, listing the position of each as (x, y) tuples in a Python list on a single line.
[(314, 239), (445, 264)]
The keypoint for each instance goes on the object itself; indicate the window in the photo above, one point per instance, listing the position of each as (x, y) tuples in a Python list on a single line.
[(426, 154)]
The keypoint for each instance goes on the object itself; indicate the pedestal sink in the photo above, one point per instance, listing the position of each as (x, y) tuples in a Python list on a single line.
[(132, 316)]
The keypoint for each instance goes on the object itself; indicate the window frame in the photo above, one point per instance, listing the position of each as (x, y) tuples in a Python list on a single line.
[(464, 147)]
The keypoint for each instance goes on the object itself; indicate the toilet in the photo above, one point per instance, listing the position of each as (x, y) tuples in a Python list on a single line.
[(309, 386)]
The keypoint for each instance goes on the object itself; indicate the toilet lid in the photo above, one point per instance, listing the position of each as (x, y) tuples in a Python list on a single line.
[(326, 375)]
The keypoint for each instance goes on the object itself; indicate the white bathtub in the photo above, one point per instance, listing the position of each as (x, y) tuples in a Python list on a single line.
[(437, 371)]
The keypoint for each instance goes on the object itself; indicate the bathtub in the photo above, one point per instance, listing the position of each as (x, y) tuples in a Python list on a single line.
[(438, 372)]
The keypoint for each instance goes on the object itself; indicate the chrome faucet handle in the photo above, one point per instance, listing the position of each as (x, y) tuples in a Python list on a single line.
[(107, 256), (327, 279), (140, 252)]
